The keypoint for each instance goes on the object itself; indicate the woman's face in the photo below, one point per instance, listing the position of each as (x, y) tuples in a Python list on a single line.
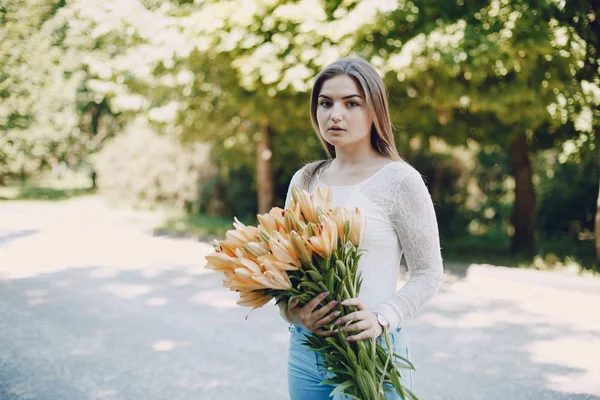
[(342, 113)]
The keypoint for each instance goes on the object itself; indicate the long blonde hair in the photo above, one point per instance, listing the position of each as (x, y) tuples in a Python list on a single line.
[(371, 84)]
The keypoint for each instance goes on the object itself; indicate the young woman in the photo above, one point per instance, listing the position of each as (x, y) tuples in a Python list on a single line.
[(350, 115)]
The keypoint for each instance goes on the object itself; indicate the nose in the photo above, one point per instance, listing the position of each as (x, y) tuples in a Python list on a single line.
[(337, 113)]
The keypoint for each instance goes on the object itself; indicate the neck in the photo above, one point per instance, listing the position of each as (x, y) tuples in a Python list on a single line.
[(355, 156)]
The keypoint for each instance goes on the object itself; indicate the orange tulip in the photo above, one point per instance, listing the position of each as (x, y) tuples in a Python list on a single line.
[(248, 264), (278, 214), (249, 232), (358, 225), (324, 243), (303, 249), (322, 199), (226, 246), (269, 262), (256, 249), (264, 235), (219, 262), (283, 250), (306, 203), (236, 237), (274, 280), (254, 299), (236, 282), (294, 209), (340, 217), (267, 221)]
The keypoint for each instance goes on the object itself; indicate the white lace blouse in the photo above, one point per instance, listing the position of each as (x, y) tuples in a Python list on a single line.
[(400, 220)]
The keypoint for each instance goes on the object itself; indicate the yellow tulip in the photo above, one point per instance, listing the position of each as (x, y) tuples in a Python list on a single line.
[(358, 225), (219, 262)]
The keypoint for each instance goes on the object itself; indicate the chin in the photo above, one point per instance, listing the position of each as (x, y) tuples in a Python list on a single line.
[(334, 141)]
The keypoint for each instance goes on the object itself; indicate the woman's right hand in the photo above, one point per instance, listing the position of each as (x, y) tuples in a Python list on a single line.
[(311, 319)]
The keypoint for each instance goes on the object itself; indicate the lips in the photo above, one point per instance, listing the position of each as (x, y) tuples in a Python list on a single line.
[(336, 128)]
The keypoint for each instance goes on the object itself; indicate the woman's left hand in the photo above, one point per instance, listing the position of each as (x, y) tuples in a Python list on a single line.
[(363, 321)]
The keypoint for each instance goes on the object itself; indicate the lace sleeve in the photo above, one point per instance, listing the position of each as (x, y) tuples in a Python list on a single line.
[(411, 211)]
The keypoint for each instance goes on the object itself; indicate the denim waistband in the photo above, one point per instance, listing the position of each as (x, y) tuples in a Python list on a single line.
[(299, 329)]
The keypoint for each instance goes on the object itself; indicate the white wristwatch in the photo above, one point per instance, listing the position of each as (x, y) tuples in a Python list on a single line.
[(382, 320)]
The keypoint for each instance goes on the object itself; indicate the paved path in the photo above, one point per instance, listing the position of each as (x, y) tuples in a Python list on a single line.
[(92, 306)]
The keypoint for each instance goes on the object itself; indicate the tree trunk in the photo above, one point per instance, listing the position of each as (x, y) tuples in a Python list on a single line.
[(523, 218), (264, 170), (597, 231)]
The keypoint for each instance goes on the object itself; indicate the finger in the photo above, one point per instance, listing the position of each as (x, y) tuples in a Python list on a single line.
[(321, 312), (293, 303), (353, 316), (368, 334), (311, 305), (354, 302), (327, 319), (324, 332), (358, 326)]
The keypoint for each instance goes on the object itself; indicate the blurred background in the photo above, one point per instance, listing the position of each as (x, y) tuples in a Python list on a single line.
[(129, 126), (201, 107)]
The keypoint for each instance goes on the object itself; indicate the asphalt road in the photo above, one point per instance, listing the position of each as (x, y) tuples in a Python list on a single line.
[(93, 306)]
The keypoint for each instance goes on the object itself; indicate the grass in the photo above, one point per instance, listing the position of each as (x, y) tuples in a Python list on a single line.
[(40, 193), (48, 187), (197, 225), (556, 254)]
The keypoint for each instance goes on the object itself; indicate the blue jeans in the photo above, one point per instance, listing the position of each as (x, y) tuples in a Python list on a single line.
[(305, 374)]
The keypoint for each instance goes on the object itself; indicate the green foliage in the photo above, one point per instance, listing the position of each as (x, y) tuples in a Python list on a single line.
[(28, 192), (566, 190), (197, 225), (150, 170), (45, 117), (74, 74), (568, 254)]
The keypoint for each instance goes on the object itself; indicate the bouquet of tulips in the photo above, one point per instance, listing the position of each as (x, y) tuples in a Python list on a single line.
[(299, 253)]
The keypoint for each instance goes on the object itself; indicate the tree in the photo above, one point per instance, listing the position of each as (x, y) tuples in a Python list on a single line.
[(47, 116), (235, 73), (502, 72)]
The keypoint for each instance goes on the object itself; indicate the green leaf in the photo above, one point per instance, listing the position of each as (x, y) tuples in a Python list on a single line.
[(340, 388)]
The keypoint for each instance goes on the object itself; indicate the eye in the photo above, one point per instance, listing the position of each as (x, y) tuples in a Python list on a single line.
[(353, 104), (325, 103)]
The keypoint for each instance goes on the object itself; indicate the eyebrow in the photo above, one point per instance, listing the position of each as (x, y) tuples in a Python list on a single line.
[(343, 98)]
